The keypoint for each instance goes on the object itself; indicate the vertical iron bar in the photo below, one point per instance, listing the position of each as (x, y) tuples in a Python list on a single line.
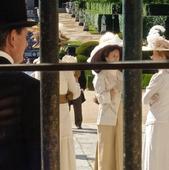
[(49, 86), (132, 11)]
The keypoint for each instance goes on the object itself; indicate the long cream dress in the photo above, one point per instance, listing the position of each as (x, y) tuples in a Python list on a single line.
[(67, 151), (67, 157), (109, 151), (156, 147)]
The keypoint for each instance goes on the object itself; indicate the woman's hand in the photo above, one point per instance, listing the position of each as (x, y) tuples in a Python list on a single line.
[(112, 93), (154, 99)]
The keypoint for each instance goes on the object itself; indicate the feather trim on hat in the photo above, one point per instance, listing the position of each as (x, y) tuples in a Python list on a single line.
[(156, 40), (157, 30)]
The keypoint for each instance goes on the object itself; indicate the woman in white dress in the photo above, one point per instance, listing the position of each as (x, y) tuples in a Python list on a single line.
[(67, 84), (156, 148), (108, 88)]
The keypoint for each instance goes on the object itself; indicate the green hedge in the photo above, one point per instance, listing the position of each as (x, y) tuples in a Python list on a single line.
[(145, 80), (104, 7), (62, 50), (100, 8), (117, 1), (89, 79), (155, 1), (157, 9), (81, 58), (97, 8), (146, 55), (148, 22), (74, 43), (86, 48)]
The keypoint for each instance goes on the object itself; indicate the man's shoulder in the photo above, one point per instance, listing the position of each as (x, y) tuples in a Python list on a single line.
[(17, 78)]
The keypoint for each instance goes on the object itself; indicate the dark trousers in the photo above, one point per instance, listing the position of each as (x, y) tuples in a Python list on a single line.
[(77, 106)]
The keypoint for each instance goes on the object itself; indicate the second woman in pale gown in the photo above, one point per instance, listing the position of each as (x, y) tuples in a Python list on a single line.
[(108, 89), (67, 151)]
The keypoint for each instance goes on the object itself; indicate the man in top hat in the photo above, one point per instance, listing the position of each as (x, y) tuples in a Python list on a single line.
[(19, 94)]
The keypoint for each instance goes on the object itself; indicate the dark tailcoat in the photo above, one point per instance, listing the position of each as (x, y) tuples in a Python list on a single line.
[(19, 121)]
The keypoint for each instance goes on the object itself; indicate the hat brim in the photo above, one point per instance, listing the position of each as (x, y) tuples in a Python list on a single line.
[(97, 57), (18, 24), (95, 54), (146, 48)]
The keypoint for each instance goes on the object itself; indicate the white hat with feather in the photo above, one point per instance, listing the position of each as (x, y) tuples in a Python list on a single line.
[(156, 40)]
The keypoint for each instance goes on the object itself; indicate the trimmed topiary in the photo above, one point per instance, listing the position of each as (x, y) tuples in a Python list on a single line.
[(63, 49), (157, 9), (74, 43), (86, 48), (81, 58)]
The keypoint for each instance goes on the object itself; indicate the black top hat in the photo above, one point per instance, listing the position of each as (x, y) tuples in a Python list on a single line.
[(13, 14)]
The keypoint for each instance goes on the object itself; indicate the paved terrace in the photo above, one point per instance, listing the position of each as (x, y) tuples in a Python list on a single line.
[(72, 29)]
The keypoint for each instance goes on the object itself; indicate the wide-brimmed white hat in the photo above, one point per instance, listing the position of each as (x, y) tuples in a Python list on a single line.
[(156, 40), (107, 40)]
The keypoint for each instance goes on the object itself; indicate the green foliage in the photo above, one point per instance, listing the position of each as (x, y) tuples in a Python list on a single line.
[(92, 20), (92, 29), (145, 80), (89, 79), (74, 43), (146, 55), (102, 1), (62, 50), (81, 58), (100, 8), (86, 48), (155, 1)]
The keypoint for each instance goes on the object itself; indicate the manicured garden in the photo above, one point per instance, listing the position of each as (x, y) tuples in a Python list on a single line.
[(92, 13)]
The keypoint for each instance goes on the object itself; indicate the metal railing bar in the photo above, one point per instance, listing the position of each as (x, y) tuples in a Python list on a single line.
[(84, 66)]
